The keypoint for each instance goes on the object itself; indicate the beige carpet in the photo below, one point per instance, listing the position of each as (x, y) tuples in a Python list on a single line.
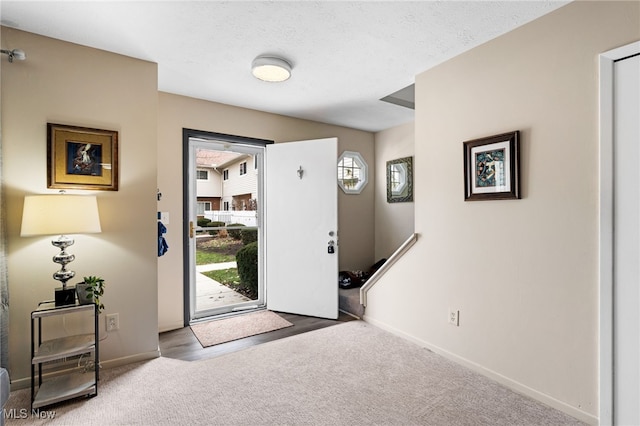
[(349, 374), (225, 330)]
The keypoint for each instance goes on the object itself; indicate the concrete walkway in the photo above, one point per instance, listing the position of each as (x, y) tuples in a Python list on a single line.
[(210, 293), (216, 266)]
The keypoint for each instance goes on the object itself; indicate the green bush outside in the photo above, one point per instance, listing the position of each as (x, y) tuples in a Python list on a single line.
[(203, 221), (235, 233), (249, 236), (216, 224), (247, 261)]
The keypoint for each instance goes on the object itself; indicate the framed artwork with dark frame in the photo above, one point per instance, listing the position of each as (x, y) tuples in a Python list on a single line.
[(400, 180), (81, 158), (492, 167)]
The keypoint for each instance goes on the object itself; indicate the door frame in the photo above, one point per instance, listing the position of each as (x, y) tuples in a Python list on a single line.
[(187, 134), (606, 330)]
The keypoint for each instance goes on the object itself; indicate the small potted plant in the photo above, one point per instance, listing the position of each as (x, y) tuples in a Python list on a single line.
[(90, 291)]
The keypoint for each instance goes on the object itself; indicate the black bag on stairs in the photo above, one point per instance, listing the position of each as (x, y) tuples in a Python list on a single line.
[(354, 279)]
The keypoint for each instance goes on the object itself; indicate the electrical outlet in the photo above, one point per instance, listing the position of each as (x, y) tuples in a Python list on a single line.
[(113, 322), (454, 317)]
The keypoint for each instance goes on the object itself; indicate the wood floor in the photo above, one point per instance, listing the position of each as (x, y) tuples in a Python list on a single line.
[(182, 343)]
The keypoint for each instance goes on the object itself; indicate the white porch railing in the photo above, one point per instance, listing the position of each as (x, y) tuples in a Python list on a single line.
[(246, 217)]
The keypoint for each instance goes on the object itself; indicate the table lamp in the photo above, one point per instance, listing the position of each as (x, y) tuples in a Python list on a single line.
[(61, 214)]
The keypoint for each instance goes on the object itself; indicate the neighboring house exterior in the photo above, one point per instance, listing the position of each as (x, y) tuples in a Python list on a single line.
[(226, 181), (240, 184)]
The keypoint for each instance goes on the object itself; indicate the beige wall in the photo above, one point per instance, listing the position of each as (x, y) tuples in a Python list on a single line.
[(355, 215), (394, 221), (65, 83), (523, 273)]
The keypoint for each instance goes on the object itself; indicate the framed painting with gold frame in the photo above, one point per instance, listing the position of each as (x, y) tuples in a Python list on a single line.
[(81, 158)]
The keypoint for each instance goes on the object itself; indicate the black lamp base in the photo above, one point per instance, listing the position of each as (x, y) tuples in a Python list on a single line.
[(65, 296)]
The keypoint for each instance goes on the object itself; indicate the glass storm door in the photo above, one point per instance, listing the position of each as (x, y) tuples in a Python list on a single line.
[(278, 202), (225, 209)]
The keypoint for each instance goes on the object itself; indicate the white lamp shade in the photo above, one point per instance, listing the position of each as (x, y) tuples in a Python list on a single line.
[(60, 215)]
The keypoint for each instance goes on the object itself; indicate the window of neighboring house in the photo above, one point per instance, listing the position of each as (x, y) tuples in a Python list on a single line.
[(255, 162), (225, 174), (226, 206), (202, 174), (243, 168), (203, 206), (352, 172)]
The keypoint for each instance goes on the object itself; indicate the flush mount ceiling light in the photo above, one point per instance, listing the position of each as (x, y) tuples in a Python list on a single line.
[(271, 68)]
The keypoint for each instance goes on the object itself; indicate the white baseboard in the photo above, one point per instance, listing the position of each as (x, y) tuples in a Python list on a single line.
[(349, 313), (25, 382), (511, 384), (170, 326), (145, 356)]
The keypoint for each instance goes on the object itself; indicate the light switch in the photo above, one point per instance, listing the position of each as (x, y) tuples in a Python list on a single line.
[(164, 217)]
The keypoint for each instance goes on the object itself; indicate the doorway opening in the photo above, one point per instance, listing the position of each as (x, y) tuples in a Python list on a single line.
[(223, 187), (296, 190), (619, 181)]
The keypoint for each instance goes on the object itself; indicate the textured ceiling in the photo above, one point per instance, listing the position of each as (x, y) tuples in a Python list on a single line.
[(346, 56)]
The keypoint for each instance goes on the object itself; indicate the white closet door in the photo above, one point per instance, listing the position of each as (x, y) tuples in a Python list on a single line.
[(626, 252)]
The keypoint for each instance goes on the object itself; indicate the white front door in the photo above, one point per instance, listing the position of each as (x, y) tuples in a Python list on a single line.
[(301, 217)]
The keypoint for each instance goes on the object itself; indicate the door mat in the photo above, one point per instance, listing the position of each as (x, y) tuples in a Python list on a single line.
[(238, 327)]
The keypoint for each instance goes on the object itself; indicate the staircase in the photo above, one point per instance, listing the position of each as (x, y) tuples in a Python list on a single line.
[(349, 302), (353, 300)]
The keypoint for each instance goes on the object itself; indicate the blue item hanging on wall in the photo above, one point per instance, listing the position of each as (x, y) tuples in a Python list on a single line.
[(162, 243)]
